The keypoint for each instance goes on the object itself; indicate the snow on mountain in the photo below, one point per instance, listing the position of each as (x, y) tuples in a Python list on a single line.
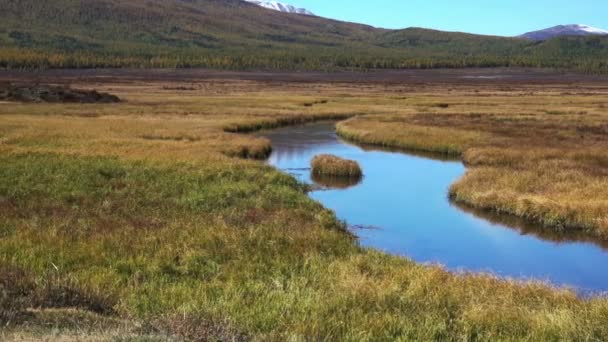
[(281, 7), (564, 30)]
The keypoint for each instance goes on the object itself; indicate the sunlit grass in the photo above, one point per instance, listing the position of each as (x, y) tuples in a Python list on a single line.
[(545, 168), (329, 165), (142, 220)]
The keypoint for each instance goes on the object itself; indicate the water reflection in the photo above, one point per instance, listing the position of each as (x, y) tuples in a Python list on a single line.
[(335, 182), (525, 227), (404, 197), (427, 155)]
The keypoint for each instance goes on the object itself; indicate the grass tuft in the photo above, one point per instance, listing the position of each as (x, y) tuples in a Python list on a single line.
[(258, 149), (329, 165)]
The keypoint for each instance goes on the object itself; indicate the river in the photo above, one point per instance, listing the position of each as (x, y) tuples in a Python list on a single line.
[(401, 206)]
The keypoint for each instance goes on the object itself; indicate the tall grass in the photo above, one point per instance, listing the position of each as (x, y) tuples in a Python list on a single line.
[(107, 232), (246, 251), (329, 165), (440, 140)]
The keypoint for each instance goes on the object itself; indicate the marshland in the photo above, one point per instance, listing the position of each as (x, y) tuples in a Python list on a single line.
[(401, 207), (157, 217)]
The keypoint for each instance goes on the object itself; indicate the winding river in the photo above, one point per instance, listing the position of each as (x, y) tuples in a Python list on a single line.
[(401, 207)]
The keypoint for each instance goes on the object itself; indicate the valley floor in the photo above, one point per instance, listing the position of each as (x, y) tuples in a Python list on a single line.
[(151, 218)]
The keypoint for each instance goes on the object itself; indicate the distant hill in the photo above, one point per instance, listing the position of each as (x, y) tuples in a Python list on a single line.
[(564, 30), (235, 34)]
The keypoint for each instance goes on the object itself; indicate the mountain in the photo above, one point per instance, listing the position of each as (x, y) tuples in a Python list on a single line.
[(236, 34), (281, 7), (564, 30)]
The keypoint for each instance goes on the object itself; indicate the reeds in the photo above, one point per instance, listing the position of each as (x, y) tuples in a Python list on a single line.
[(330, 165)]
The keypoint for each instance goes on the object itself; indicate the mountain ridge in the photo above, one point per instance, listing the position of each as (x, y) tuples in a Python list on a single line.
[(235, 34), (563, 30)]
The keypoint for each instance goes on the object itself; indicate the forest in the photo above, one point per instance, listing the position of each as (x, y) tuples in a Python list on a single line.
[(233, 34)]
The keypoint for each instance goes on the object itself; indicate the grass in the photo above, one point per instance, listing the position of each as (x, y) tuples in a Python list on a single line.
[(329, 165), (132, 221), (522, 160), (290, 120), (382, 132)]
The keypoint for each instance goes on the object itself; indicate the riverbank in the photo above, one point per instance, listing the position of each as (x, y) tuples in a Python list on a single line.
[(134, 219), (403, 196), (548, 168)]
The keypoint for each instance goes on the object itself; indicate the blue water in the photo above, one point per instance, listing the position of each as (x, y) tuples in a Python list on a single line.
[(401, 206)]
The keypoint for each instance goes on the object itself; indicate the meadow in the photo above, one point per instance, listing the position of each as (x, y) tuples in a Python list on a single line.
[(154, 219)]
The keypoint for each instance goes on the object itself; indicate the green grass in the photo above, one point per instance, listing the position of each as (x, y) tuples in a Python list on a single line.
[(240, 247)]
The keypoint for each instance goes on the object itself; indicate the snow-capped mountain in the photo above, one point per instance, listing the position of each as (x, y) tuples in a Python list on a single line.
[(281, 7), (564, 30)]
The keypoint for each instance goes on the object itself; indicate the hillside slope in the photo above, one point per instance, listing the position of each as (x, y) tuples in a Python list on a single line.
[(234, 34)]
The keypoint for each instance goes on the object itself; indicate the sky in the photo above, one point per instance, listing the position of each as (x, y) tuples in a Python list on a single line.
[(493, 17)]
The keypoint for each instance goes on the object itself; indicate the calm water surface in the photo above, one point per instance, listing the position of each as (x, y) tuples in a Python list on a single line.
[(401, 207)]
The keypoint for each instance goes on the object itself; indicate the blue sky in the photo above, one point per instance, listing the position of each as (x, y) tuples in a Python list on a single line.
[(497, 17)]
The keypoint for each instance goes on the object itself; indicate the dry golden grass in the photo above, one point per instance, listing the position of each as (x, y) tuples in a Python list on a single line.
[(536, 151), (394, 132), (540, 156), (143, 210), (330, 165)]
